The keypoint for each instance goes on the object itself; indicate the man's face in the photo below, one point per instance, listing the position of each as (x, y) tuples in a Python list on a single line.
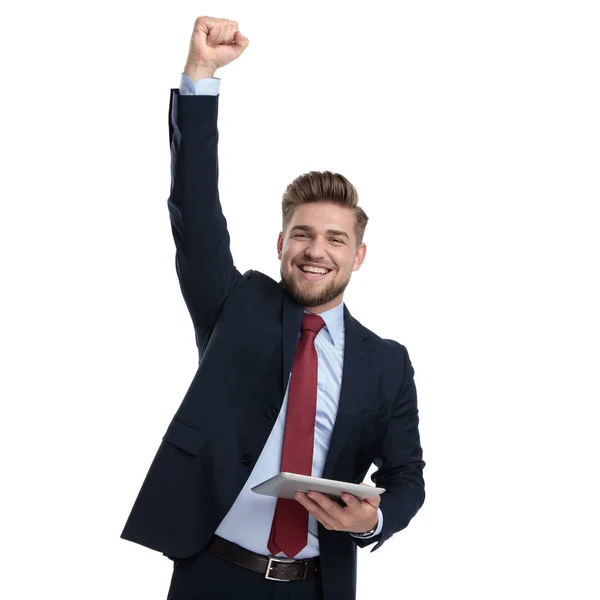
[(320, 237)]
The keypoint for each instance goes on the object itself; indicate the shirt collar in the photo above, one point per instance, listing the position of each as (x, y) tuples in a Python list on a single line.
[(334, 322)]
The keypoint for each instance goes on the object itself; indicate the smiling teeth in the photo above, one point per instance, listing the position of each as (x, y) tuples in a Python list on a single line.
[(308, 269)]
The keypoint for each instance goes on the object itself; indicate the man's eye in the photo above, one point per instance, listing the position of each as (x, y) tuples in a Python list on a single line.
[(336, 240)]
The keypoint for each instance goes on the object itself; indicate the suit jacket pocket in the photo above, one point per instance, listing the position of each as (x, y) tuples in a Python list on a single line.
[(186, 437)]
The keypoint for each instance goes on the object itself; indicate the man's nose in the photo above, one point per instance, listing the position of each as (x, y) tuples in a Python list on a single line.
[(315, 248)]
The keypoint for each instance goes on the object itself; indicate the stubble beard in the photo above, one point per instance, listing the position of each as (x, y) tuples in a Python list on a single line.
[(303, 293)]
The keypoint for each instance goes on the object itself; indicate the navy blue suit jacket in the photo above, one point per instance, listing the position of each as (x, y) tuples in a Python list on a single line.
[(246, 329)]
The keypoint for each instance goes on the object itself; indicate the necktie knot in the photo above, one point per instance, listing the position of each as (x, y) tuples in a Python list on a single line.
[(312, 322)]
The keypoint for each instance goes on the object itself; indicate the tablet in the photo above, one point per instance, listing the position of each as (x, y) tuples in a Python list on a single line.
[(285, 485)]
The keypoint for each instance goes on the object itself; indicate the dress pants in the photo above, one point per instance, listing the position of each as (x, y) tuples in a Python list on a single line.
[(205, 576)]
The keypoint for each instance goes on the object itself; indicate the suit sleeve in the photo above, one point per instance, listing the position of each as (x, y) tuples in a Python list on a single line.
[(203, 258), (400, 464)]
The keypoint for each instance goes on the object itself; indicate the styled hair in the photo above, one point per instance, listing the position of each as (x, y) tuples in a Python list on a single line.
[(323, 186)]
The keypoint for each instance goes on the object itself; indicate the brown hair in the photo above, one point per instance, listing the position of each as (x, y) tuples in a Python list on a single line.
[(323, 186)]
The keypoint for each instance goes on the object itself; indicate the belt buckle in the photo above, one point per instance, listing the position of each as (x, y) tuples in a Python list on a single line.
[(272, 560)]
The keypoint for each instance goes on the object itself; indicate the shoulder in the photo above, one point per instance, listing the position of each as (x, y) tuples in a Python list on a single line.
[(261, 279), (387, 346), (395, 352), (255, 286), (258, 280), (390, 355)]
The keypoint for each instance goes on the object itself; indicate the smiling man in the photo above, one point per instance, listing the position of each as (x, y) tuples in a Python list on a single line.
[(288, 381)]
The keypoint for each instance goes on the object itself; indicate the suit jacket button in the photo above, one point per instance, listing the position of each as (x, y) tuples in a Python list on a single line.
[(246, 460), (271, 413)]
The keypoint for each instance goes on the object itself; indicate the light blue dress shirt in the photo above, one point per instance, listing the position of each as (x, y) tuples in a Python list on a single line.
[(248, 522)]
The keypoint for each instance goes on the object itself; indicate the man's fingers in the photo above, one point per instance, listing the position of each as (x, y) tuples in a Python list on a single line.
[(333, 516), (374, 501), (354, 504), (214, 44), (326, 504), (221, 31), (329, 506), (317, 511), (350, 500)]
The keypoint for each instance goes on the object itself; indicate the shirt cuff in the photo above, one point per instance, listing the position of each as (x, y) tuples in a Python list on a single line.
[(377, 531), (203, 87)]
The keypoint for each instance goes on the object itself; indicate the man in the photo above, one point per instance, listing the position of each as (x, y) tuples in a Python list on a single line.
[(288, 380)]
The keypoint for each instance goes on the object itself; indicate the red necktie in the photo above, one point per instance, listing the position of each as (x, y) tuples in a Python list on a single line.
[(289, 531)]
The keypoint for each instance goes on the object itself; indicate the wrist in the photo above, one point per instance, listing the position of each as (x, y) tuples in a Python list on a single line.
[(368, 532), (196, 71)]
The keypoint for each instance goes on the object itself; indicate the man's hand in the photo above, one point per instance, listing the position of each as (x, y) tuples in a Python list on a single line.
[(357, 516), (214, 44)]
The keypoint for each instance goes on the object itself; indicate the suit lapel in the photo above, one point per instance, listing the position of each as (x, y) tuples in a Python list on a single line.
[(291, 323), (353, 395)]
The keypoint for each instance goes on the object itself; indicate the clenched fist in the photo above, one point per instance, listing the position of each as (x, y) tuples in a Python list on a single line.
[(214, 44)]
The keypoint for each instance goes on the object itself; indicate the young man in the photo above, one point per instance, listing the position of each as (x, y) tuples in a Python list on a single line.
[(288, 380)]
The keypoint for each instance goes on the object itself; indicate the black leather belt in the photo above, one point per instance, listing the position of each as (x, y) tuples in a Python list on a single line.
[(275, 569)]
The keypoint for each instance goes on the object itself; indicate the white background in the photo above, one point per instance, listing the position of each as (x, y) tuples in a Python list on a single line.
[(471, 130)]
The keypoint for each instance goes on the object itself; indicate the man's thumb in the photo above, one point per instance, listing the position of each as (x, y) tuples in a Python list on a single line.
[(240, 42)]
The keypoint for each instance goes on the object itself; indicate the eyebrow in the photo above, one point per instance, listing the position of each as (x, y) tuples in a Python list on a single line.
[(330, 231)]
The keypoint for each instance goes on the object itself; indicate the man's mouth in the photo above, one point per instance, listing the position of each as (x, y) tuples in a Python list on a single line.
[(313, 273)]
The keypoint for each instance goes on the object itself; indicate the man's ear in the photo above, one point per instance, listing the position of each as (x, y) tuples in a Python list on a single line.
[(279, 245), (359, 258)]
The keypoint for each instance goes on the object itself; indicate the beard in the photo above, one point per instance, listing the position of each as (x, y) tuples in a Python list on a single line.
[(304, 293)]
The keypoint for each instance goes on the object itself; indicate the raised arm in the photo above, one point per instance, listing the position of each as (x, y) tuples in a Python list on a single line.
[(204, 263)]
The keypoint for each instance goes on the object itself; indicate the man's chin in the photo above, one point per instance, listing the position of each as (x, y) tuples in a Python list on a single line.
[(311, 297)]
